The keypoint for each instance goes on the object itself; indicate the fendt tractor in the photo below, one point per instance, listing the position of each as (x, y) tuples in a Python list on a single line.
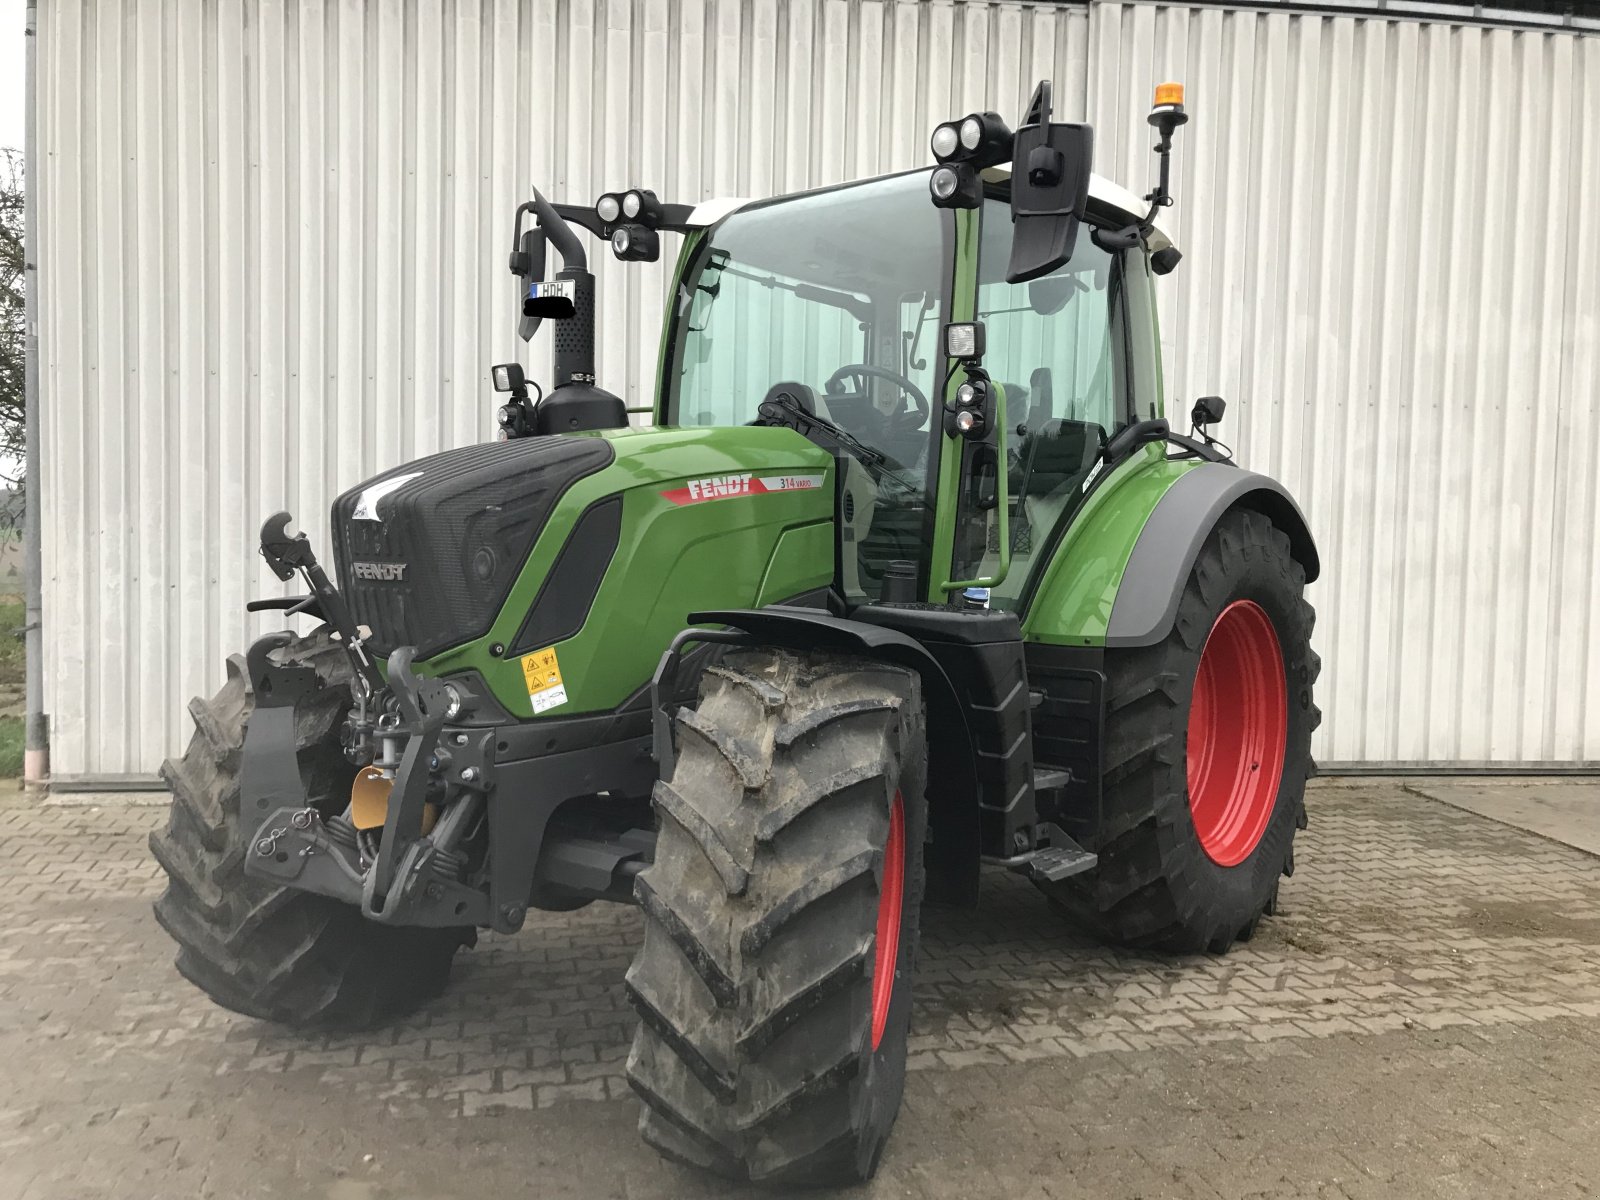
[(909, 575)]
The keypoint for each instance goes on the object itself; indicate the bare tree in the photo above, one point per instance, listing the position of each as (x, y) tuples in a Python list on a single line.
[(13, 325)]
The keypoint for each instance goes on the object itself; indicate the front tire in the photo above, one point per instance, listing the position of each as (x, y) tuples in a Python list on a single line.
[(781, 914), (1208, 749), (290, 957)]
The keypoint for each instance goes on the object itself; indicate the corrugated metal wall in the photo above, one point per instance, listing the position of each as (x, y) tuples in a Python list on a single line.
[(273, 263)]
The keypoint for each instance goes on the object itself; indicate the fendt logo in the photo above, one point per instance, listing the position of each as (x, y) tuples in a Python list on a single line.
[(718, 487), (383, 572)]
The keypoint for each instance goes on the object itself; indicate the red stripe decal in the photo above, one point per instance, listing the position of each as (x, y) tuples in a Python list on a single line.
[(722, 487)]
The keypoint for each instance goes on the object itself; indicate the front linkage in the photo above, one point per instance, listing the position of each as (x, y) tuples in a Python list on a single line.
[(411, 872)]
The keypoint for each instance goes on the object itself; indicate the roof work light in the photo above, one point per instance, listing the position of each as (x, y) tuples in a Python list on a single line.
[(981, 139)]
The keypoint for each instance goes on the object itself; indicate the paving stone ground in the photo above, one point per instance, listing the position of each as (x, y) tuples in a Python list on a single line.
[(1422, 1018)]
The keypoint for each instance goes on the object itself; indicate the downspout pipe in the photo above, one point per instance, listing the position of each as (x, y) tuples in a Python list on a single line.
[(36, 755)]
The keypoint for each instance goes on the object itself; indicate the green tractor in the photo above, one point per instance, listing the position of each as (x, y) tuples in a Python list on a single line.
[(909, 575)]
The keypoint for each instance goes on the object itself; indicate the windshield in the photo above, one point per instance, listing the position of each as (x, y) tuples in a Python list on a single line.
[(836, 299)]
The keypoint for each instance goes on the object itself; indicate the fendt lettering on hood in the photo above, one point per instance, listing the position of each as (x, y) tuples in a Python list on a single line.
[(720, 487), (382, 572)]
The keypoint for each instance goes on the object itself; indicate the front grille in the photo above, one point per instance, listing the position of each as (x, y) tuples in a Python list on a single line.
[(428, 552)]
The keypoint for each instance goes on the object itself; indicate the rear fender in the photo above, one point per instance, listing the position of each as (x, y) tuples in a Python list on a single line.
[(952, 854), (1121, 566), (1158, 569)]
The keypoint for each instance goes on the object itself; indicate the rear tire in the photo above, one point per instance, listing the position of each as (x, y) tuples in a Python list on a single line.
[(269, 952), (781, 914), (1181, 874)]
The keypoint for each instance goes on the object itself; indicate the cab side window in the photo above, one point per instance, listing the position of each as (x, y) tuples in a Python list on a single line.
[(1058, 346)]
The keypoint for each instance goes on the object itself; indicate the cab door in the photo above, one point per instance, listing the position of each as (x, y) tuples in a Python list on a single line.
[(1077, 356)]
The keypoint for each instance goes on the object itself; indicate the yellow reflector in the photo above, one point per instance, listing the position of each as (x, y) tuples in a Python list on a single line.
[(369, 801), (1169, 93), (369, 798)]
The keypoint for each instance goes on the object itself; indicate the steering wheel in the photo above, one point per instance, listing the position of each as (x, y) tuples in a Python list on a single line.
[(902, 421)]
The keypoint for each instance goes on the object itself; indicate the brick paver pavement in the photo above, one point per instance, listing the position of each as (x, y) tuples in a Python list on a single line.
[(1423, 1017)]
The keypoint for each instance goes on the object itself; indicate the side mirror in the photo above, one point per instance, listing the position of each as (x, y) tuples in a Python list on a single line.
[(1049, 189), (527, 260), (1049, 192)]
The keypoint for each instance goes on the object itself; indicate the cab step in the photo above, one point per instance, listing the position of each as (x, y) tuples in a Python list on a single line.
[(1057, 862)]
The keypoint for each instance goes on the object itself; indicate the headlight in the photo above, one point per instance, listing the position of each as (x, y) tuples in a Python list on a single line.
[(453, 708), (966, 394)]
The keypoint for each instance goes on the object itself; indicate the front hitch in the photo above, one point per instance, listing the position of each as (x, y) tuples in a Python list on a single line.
[(414, 879)]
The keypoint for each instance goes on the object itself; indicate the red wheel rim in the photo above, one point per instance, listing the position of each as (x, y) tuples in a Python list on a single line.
[(889, 897), (1238, 730)]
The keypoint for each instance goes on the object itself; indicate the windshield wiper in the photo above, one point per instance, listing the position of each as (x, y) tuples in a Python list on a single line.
[(786, 410), (798, 417)]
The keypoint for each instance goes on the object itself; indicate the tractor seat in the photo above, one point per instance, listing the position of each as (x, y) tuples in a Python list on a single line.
[(1061, 452)]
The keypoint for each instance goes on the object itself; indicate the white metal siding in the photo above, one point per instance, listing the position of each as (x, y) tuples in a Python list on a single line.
[(1393, 275), (274, 237)]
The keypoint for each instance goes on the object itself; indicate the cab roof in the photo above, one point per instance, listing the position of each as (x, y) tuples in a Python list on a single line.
[(1111, 199)]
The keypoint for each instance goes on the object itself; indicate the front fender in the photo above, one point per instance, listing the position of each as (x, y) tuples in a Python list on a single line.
[(952, 855)]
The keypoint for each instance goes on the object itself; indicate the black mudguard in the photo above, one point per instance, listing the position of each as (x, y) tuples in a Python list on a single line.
[(952, 855), (1147, 601)]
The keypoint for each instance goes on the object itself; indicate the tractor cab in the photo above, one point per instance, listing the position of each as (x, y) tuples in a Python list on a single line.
[(835, 302)]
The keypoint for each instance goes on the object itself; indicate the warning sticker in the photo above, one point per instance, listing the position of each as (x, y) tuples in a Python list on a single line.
[(542, 673)]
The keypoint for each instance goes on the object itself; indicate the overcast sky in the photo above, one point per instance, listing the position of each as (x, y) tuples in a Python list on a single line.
[(11, 72)]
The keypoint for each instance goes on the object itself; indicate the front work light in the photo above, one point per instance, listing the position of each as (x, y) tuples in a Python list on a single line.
[(981, 139), (508, 377), (955, 185), (640, 205), (964, 340), (973, 410), (608, 208), (635, 243)]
